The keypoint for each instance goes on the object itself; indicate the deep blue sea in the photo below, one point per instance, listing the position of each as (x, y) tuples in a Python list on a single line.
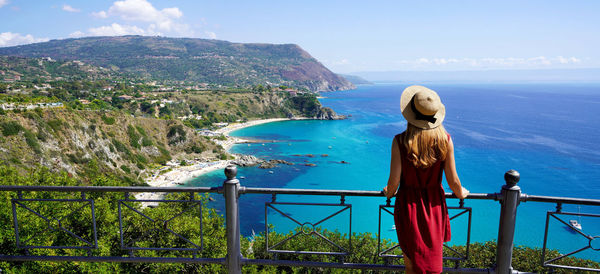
[(547, 132)]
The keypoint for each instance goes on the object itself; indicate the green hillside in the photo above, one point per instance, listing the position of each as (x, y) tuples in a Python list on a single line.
[(193, 60), (14, 68)]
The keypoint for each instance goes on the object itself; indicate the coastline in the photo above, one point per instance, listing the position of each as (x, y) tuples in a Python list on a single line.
[(230, 141), (180, 175)]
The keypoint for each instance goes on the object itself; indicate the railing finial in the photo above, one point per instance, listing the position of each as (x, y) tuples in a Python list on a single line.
[(512, 177), (231, 172)]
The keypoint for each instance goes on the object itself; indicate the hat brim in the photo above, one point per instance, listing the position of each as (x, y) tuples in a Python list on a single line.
[(410, 116)]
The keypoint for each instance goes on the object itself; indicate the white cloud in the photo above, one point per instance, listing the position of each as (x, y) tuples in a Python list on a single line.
[(76, 34), (140, 17), (101, 14), (3, 3), (69, 8), (144, 19), (571, 60), (144, 11), (116, 30), (8, 39), (507, 62), (210, 34)]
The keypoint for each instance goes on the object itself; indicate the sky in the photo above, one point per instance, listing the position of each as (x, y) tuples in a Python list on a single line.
[(346, 36)]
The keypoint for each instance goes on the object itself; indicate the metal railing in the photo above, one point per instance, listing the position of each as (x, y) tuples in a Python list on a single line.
[(84, 208)]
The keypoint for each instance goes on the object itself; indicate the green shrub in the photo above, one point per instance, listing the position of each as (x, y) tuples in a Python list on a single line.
[(141, 130), (125, 168), (223, 156), (41, 135), (146, 142), (134, 137), (31, 140), (195, 149), (77, 158), (108, 120), (11, 128), (364, 251), (176, 134), (55, 124), (120, 147), (141, 159)]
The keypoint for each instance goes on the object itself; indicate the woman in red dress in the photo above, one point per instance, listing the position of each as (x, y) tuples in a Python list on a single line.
[(419, 157)]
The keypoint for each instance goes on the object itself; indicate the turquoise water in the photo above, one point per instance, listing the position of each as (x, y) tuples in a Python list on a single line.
[(546, 132)]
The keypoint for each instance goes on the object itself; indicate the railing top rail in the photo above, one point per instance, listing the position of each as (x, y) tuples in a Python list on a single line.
[(337, 192), (260, 190), (109, 189), (564, 200)]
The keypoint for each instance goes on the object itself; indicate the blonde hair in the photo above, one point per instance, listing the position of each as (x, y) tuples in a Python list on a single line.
[(424, 147)]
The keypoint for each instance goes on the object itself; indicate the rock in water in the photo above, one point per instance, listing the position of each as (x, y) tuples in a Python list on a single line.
[(326, 113)]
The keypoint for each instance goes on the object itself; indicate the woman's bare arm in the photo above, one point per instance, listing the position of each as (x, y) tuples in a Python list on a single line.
[(395, 171), (452, 175)]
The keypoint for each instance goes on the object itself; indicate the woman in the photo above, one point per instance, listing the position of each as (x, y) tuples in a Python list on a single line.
[(419, 155)]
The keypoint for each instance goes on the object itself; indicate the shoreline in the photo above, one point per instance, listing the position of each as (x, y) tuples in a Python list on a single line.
[(230, 141), (182, 174)]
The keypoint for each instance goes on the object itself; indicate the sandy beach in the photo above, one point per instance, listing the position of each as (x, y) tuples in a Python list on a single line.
[(180, 175), (227, 144)]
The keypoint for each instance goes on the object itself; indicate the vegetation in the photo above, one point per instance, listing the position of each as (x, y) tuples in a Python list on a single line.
[(205, 62), (120, 145), (11, 128), (76, 217), (79, 222)]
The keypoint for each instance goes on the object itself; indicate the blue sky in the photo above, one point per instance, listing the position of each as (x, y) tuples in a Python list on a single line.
[(346, 36)]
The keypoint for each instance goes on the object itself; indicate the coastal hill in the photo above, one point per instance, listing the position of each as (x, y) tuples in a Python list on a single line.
[(193, 60), (357, 80), (14, 68)]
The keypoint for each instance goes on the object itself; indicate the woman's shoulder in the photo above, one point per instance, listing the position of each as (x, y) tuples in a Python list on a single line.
[(398, 137)]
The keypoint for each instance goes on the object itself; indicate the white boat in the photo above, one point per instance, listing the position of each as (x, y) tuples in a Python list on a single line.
[(393, 228), (575, 224)]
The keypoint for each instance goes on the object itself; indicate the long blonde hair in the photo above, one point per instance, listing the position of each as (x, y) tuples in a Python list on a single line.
[(425, 147)]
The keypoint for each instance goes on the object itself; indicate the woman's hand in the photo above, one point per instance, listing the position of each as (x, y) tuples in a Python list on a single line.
[(464, 192), (387, 195)]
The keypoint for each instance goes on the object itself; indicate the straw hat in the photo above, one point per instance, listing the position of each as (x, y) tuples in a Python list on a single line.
[(422, 107)]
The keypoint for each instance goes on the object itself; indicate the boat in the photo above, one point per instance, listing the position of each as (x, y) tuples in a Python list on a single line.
[(393, 228), (575, 224)]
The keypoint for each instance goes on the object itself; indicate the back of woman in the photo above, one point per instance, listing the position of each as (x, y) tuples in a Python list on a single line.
[(420, 155), (420, 212)]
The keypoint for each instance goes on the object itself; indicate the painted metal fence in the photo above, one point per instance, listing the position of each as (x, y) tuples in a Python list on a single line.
[(85, 237)]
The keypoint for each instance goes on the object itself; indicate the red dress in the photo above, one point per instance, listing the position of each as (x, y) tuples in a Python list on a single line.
[(421, 214)]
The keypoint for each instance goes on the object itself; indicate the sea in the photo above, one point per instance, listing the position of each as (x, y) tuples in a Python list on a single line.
[(549, 133)]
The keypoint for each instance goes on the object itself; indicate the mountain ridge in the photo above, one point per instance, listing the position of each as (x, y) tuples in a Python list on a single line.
[(193, 59)]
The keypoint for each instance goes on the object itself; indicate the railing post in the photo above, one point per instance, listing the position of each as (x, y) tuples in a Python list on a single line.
[(508, 216), (231, 188)]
